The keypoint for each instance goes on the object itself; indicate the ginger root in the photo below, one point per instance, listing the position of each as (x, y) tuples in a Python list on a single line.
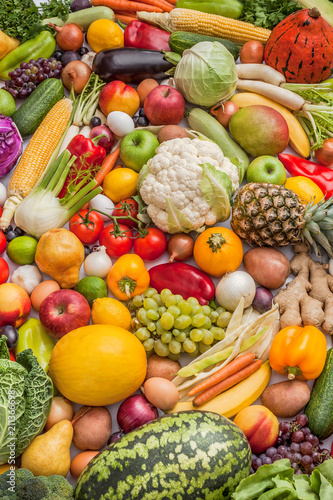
[(308, 299)]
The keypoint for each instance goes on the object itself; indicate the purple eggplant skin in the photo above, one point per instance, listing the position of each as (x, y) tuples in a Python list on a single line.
[(11, 145), (130, 65)]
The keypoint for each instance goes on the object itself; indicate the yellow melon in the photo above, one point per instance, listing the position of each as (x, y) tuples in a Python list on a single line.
[(98, 365)]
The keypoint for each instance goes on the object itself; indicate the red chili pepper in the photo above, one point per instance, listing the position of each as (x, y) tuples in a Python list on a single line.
[(320, 175), (89, 157), (142, 36), (183, 279), (12, 356)]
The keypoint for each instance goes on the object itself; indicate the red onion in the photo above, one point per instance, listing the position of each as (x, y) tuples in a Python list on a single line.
[(262, 301), (105, 142), (134, 412)]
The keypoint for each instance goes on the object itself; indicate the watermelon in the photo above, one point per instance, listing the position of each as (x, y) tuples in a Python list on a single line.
[(187, 455)]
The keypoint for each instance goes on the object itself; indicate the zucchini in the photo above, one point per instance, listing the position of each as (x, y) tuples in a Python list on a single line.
[(204, 123), (182, 40), (32, 112), (84, 17), (319, 409)]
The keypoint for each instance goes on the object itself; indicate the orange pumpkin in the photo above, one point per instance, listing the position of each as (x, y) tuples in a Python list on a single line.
[(217, 251), (98, 365)]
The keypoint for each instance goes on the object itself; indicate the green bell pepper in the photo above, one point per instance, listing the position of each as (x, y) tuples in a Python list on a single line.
[(33, 336), (227, 8), (42, 45)]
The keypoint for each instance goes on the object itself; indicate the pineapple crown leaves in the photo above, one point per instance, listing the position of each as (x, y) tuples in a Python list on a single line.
[(319, 226)]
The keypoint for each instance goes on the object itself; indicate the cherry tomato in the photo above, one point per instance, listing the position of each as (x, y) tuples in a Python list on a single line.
[(152, 246), (4, 271), (116, 246), (127, 207), (86, 227), (3, 242)]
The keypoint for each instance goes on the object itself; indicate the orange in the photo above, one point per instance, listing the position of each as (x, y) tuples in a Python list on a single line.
[(305, 188), (107, 311), (120, 184)]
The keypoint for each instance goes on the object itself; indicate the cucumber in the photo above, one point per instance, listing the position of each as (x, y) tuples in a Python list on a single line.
[(204, 123), (32, 112), (182, 40), (319, 409), (84, 17)]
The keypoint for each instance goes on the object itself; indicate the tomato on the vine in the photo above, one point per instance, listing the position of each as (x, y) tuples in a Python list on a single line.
[(125, 208), (3, 242), (86, 226), (4, 271), (151, 246), (117, 243)]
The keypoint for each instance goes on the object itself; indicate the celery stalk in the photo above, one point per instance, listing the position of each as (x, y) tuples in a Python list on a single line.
[(324, 6)]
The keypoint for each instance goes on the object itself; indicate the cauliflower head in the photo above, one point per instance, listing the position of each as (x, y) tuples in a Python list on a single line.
[(187, 185)]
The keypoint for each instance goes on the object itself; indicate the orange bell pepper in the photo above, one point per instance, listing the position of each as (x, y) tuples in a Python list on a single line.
[(299, 352), (128, 277)]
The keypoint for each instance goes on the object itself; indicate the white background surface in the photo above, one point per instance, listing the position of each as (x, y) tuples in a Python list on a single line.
[(113, 409)]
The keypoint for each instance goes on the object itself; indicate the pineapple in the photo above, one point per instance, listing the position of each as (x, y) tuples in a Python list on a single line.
[(271, 215)]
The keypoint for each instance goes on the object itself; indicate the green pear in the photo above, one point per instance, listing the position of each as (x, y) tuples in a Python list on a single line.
[(49, 453)]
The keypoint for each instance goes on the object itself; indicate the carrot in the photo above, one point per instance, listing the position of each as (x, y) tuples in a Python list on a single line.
[(127, 13), (106, 167), (125, 18), (125, 5), (162, 4), (173, 2), (233, 367), (210, 393)]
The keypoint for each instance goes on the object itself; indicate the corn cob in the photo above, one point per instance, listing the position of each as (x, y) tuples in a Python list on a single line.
[(206, 24), (36, 157)]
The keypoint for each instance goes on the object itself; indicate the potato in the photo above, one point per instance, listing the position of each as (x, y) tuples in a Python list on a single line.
[(162, 367), (93, 428), (286, 399), (267, 266), (171, 132)]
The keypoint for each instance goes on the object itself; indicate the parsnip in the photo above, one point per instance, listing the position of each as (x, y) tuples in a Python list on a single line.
[(260, 72)]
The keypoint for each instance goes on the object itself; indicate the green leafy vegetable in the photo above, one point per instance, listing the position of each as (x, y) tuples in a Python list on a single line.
[(56, 8), (267, 13), (216, 187), (177, 221), (29, 487), (25, 400)]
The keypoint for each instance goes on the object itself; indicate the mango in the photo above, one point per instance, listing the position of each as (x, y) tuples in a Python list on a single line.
[(260, 130), (260, 426)]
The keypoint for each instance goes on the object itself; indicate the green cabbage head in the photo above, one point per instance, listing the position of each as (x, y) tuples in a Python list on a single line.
[(206, 74)]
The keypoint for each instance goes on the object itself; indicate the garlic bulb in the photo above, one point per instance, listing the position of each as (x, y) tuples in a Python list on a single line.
[(27, 277)]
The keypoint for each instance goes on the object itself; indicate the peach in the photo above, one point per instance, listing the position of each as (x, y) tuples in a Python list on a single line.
[(117, 96), (260, 426), (15, 305)]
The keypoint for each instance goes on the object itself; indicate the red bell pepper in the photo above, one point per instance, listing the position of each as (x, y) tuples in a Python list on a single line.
[(143, 36), (320, 175), (89, 158), (183, 279)]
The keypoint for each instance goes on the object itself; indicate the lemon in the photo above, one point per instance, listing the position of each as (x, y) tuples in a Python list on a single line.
[(92, 288), (109, 311), (22, 249), (105, 34), (7, 103), (305, 188), (120, 184)]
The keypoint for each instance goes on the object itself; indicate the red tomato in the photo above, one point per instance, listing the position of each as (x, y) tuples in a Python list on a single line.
[(152, 246), (1, 211), (86, 227), (116, 246), (3, 242), (127, 207), (4, 271)]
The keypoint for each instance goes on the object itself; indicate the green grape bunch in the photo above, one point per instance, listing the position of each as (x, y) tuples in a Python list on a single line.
[(169, 325)]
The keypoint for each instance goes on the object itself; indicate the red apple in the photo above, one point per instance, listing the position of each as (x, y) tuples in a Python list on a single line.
[(117, 96), (164, 105), (63, 311)]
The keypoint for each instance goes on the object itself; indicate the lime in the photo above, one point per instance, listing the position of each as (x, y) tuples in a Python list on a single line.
[(22, 249), (92, 288), (7, 103)]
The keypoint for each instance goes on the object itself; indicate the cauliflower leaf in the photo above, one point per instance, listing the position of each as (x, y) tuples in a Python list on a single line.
[(216, 187), (177, 221)]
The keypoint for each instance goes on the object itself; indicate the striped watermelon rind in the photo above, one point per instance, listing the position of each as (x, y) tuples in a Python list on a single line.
[(187, 455)]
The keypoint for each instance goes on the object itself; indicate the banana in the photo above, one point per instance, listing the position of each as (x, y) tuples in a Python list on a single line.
[(232, 401), (297, 137)]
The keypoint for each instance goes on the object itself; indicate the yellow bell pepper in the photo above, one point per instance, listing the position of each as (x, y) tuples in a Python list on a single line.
[(128, 277), (7, 44), (299, 352)]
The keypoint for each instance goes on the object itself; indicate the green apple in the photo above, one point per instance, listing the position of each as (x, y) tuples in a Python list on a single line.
[(266, 169), (137, 148)]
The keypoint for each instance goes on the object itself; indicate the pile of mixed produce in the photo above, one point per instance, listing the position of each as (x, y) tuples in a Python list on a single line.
[(166, 249)]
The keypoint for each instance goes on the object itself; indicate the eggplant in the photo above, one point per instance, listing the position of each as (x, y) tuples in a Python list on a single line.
[(130, 65)]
